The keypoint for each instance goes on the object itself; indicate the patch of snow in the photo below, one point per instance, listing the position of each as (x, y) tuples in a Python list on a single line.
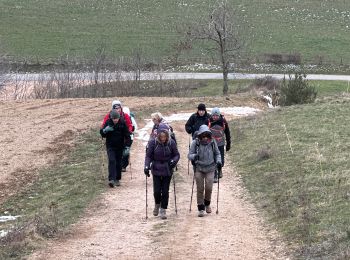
[(143, 133), (3, 233), (8, 218), (269, 101)]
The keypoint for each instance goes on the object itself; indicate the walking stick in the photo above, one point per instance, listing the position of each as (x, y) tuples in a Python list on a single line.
[(217, 199), (130, 166), (194, 170), (188, 162), (174, 193), (146, 199)]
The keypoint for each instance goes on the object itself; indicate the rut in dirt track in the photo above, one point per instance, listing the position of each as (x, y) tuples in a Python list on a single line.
[(115, 226)]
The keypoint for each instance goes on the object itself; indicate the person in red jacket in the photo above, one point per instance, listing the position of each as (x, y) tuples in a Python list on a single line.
[(117, 105)]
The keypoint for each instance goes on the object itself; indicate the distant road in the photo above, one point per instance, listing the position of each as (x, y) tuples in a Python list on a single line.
[(163, 75)]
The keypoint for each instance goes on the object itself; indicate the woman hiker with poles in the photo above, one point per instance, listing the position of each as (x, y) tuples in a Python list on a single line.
[(205, 155), (161, 158)]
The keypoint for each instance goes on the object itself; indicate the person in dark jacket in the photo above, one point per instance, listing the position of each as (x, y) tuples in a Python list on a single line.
[(205, 155), (221, 133), (201, 117), (117, 141), (161, 158)]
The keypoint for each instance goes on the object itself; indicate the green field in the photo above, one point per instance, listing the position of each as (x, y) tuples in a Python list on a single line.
[(295, 164), (44, 30)]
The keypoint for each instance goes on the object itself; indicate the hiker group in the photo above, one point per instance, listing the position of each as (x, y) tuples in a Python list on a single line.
[(210, 134)]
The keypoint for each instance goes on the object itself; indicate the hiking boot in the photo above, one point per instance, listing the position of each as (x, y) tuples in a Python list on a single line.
[(208, 209), (201, 213), (156, 210), (111, 183), (117, 183), (215, 179), (162, 213), (220, 174), (123, 169)]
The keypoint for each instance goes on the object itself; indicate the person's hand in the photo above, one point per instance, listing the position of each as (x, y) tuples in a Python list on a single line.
[(126, 151), (228, 147), (146, 171), (172, 164), (108, 129), (219, 166)]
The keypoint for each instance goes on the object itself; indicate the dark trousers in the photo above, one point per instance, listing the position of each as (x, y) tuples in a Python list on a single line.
[(114, 163), (222, 153), (161, 190)]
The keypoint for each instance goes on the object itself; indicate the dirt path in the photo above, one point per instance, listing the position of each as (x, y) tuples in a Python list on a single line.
[(115, 227)]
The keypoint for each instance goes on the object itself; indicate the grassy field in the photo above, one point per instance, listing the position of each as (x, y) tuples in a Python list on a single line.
[(44, 30), (295, 163)]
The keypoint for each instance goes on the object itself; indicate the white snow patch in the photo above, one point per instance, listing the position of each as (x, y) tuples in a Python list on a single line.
[(143, 133), (8, 218), (3, 233)]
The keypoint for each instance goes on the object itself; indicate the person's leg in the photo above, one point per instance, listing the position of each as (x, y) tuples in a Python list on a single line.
[(165, 185), (208, 187), (118, 165), (112, 173), (222, 152), (156, 194), (200, 192)]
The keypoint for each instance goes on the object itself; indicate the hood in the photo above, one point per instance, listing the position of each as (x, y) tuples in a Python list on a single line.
[(202, 129)]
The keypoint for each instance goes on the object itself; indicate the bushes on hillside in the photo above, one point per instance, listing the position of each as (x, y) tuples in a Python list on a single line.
[(296, 90)]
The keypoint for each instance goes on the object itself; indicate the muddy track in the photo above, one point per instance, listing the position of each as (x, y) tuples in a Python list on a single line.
[(115, 227)]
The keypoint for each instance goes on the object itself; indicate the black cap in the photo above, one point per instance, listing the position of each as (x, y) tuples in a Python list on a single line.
[(201, 106)]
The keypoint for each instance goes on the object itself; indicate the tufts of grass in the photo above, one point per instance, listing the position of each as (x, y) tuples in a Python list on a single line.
[(57, 199), (304, 186)]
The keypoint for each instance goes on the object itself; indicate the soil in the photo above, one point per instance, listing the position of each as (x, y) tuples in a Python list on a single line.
[(35, 133)]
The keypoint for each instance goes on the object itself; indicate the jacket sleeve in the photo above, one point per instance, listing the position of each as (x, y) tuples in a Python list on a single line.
[(101, 130), (227, 132), (192, 152), (149, 153), (128, 122), (189, 124), (127, 137), (217, 153), (134, 124), (175, 152), (105, 119)]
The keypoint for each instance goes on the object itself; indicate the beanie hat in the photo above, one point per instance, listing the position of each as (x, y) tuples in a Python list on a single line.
[(116, 104), (163, 128), (201, 106), (114, 114), (215, 111)]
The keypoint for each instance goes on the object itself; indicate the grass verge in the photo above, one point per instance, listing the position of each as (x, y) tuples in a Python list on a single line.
[(295, 163), (56, 200)]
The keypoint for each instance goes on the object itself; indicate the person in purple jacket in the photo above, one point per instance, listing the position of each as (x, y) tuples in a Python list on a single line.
[(161, 158)]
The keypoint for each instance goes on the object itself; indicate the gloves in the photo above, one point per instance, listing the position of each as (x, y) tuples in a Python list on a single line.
[(146, 171), (108, 129), (228, 147), (219, 166), (172, 164), (126, 151)]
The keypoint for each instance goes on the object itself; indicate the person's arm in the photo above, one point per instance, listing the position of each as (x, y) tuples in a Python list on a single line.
[(127, 137), (149, 153), (128, 122), (189, 124), (105, 119), (175, 152), (217, 153), (192, 154), (227, 135)]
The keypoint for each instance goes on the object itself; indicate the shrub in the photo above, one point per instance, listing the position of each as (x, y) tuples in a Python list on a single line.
[(297, 90)]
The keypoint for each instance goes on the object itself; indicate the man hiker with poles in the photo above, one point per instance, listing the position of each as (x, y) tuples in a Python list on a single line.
[(161, 158), (117, 142), (205, 155), (221, 133)]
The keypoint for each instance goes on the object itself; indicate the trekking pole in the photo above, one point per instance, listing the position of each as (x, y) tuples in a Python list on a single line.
[(174, 193), (130, 166), (146, 199), (217, 199), (194, 170)]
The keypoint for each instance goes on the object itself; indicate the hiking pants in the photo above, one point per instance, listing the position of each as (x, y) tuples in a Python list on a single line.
[(204, 182), (114, 163), (161, 190)]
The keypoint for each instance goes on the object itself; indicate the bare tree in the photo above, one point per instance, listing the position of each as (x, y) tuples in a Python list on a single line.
[(221, 30)]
